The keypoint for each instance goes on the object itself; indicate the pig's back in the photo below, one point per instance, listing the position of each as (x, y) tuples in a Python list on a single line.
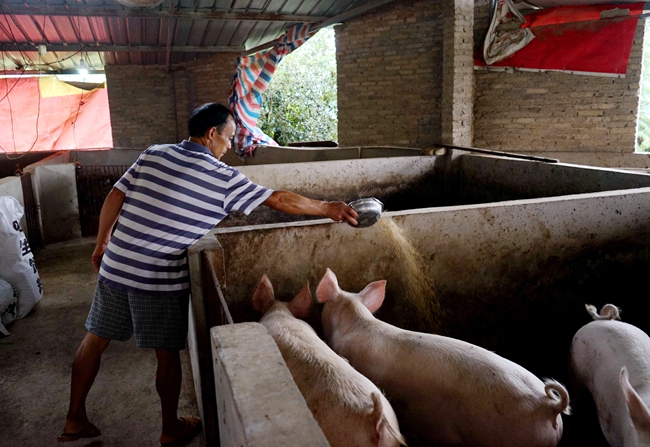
[(442, 383), (601, 348), (339, 397), (317, 370), (456, 360), (599, 351)]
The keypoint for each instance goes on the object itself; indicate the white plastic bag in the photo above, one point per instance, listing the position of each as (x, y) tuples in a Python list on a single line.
[(17, 265), (8, 311)]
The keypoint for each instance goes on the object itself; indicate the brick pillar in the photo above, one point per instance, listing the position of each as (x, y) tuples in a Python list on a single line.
[(458, 73)]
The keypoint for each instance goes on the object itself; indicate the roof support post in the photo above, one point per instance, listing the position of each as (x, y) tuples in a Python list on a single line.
[(170, 21), (458, 73)]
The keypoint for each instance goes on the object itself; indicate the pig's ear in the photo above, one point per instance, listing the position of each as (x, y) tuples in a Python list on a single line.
[(301, 303), (373, 295), (263, 297), (328, 287)]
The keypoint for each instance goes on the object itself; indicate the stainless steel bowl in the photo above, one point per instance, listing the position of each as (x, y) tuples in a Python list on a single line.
[(369, 210)]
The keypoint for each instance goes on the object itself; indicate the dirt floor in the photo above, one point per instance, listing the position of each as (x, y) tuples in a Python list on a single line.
[(36, 361)]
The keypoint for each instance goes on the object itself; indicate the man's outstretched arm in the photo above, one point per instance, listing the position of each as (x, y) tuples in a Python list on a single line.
[(292, 203)]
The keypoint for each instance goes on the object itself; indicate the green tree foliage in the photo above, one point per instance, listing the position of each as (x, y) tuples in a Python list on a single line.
[(300, 102), (643, 127)]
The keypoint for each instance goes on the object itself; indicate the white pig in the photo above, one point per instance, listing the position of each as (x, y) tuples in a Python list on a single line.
[(445, 391), (349, 408), (611, 359)]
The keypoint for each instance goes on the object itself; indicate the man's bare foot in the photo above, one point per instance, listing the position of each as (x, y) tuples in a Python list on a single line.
[(188, 428)]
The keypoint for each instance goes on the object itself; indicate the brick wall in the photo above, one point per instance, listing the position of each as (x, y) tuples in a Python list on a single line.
[(206, 80), (576, 118), (141, 105), (211, 78), (149, 105), (390, 75)]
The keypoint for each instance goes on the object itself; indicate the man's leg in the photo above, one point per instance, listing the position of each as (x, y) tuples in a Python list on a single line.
[(84, 370), (168, 384)]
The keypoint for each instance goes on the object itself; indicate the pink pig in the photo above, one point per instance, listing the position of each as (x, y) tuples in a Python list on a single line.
[(350, 409), (446, 391), (611, 359)]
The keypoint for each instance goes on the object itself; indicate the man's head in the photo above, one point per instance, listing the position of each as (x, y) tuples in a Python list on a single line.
[(213, 126)]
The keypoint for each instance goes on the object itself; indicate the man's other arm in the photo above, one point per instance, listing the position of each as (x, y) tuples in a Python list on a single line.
[(107, 218)]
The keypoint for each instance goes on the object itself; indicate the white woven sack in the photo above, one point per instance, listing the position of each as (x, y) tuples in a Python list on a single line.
[(17, 265), (8, 311)]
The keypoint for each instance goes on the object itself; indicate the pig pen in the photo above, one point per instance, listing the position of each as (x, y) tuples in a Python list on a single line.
[(513, 248)]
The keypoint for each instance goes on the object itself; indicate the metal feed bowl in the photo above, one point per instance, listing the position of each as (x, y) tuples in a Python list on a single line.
[(369, 210)]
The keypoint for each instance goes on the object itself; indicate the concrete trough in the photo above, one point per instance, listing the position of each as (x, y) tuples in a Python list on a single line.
[(512, 248)]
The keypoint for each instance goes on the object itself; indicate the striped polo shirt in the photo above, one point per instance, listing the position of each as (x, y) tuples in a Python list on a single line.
[(174, 195)]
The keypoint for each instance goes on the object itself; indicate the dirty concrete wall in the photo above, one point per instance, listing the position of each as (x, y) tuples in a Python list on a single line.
[(389, 66), (399, 182), (150, 105), (484, 179), (274, 154), (55, 191), (114, 157), (581, 119), (341, 179), (259, 403), (511, 277)]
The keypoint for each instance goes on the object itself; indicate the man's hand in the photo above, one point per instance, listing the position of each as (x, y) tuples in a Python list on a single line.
[(339, 211), (98, 253)]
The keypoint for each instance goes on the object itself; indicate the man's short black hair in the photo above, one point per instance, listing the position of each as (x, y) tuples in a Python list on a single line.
[(207, 116)]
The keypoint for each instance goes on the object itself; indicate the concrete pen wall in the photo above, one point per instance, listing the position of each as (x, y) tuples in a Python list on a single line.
[(510, 276)]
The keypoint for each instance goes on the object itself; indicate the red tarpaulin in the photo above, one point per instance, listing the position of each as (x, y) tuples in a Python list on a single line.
[(589, 39), (46, 114)]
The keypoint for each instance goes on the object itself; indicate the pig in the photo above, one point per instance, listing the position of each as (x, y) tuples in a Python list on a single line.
[(350, 410), (611, 360), (445, 391)]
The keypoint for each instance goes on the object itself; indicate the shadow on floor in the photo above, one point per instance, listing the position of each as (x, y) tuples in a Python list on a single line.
[(36, 361)]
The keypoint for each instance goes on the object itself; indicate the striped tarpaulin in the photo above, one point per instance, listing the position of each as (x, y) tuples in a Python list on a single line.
[(252, 77)]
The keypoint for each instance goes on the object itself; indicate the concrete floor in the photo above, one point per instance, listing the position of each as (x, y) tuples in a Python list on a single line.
[(36, 361)]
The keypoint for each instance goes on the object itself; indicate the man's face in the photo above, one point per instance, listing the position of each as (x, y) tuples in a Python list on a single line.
[(219, 143)]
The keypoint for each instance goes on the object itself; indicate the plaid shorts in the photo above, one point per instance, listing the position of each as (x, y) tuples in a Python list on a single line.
[(159, 322)]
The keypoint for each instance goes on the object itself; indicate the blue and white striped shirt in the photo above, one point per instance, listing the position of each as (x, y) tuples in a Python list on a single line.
[(175, 194)]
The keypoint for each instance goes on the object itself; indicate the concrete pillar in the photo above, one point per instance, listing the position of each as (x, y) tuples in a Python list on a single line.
[(458, 73)]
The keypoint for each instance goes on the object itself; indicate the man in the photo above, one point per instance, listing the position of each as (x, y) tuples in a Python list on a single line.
[(166, 201)]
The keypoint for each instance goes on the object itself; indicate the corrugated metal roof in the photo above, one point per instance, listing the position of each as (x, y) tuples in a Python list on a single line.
[(106, 32)]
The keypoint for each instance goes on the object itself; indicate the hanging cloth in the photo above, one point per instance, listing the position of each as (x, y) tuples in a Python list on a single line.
[(252, 76), (46, 114), (580, 39), (505, 35)]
